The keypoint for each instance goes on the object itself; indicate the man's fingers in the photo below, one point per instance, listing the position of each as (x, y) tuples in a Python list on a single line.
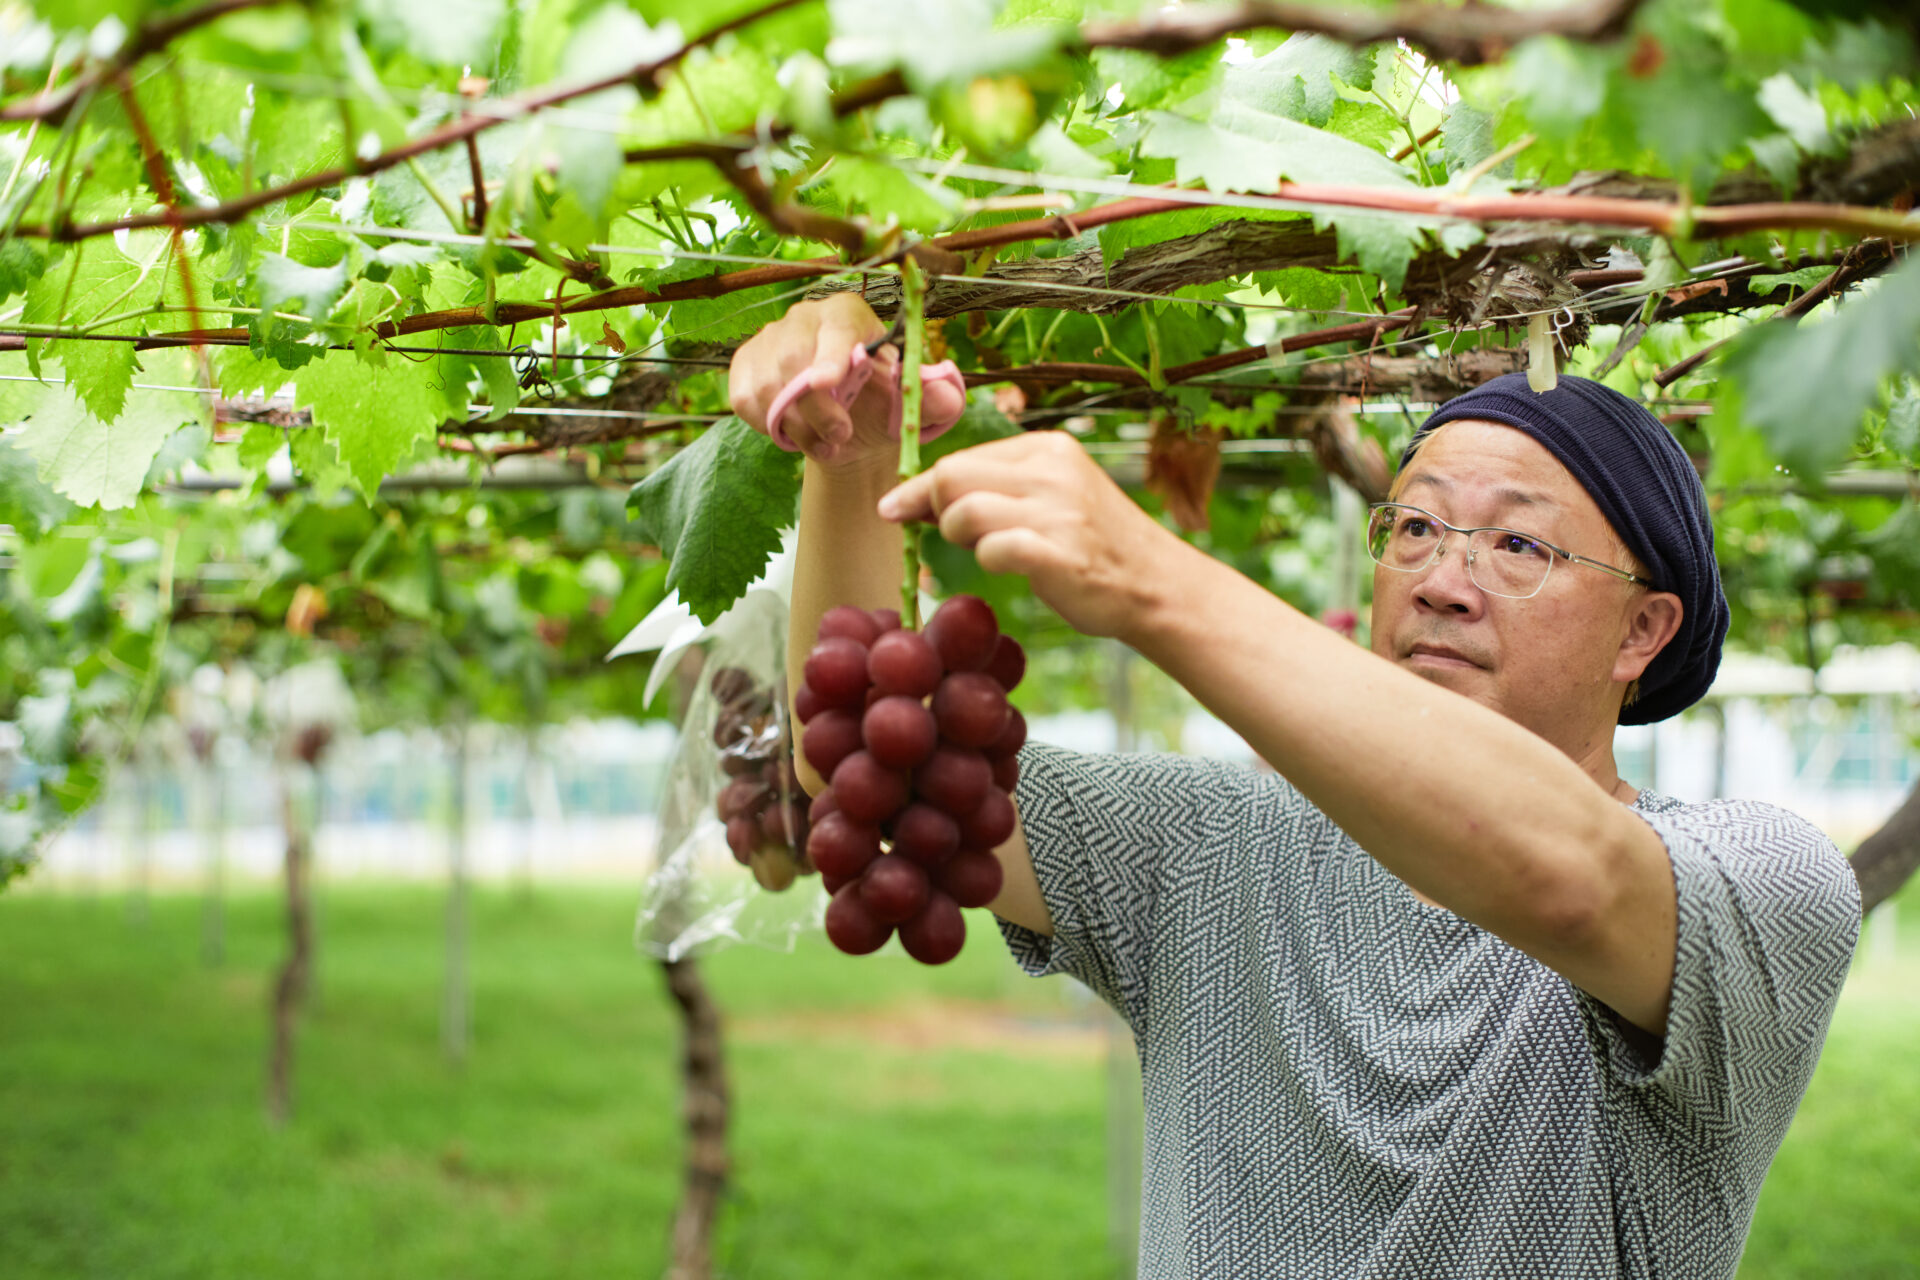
[(972, 516), (1021, 550)]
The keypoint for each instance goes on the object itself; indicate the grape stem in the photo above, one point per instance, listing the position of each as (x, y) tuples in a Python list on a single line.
[(913, 297)]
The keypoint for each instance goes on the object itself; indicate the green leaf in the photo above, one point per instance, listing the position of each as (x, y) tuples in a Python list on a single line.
[(1796, 111), (1466, 136), (94, 463), (26, 502), (1298, 80), (96, 282), (716, 510), (503, 389), (20, 265), (872, 187), (286, 286), (373, 414), (449, 32), (1808, 386), (1241, 148), (259, 443), (934, 42)]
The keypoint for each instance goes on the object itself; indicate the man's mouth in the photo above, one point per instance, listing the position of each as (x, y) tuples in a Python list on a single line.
[(1439, 655)]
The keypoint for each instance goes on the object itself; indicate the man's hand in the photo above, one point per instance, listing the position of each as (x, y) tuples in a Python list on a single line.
[(817, 339), (1037, 505)]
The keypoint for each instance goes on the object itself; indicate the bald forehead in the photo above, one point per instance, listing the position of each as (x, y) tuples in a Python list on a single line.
[(1492, 461)]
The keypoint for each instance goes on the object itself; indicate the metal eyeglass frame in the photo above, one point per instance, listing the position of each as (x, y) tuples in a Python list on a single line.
[(1440, 543)]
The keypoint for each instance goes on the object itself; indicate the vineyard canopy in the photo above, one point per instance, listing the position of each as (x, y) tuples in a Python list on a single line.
[(353, 241)]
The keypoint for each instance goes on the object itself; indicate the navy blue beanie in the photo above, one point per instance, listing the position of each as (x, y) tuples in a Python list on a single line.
[(1649, 492)]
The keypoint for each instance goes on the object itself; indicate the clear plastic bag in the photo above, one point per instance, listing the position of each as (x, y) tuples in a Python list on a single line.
[(733, 768)]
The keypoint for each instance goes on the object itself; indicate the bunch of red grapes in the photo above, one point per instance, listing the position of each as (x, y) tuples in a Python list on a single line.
[(913, 732), (762, 803)]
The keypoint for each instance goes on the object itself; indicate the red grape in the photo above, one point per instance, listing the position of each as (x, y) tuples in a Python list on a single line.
[(806, 703), (836, 671), (893, 888), (785, 822), (953, 779), (833, 884), (743, 837), (851, 927), (972, 879), (823, 804), (886, 619), (741, 797), (868, 791), (1006, 772), (903, 662), (989, 825), (1011, 738), (832, 737), (899, 731), (936, 935), (730, 684), (1008, 664), (837, 846), (736, 763), (855, 624), (925, 834), (970, 708), (964, 633)]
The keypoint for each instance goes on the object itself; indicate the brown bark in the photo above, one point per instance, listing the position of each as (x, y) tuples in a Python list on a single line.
[(290, 987), (703, 1073), (1887, 859)]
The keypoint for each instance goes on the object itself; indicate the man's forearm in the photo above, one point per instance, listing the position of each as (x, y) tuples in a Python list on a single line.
[(846, 554), (1460, 802)]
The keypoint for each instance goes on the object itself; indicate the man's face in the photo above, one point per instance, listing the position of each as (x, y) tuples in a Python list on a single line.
[(1548, 661)]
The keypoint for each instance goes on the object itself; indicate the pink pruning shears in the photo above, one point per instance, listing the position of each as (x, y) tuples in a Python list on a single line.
[(943, 390)]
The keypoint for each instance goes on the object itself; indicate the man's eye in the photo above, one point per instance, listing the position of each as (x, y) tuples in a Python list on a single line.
[(1514, 544), (1415, 527)]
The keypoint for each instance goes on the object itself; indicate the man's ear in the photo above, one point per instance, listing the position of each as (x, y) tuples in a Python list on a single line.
[(1654, 620)]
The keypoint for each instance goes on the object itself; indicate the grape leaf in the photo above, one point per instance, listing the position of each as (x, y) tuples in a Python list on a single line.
[(1808, 386), (374, 415), (1297, 79), (283, 285), (94, 463), (20, 265), (26, 501), (716, 510), (98, 282), (451, 32), (1241, 148), (934, 42)]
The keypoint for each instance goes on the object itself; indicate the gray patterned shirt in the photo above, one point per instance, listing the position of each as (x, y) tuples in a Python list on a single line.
[(1342, 1081)]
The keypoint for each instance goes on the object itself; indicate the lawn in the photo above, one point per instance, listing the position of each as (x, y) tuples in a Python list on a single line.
[(890, 1120)]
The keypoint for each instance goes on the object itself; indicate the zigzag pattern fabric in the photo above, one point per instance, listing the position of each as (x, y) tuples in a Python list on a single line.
[(1344, 1082)]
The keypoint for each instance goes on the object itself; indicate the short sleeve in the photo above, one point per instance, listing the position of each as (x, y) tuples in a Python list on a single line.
[(1101, 830), (1767, 914)]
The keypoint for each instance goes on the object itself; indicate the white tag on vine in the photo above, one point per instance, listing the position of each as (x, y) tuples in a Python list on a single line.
[(1542, 373)]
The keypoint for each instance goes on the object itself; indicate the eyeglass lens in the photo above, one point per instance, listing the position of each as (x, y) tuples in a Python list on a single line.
[(1499, 561)]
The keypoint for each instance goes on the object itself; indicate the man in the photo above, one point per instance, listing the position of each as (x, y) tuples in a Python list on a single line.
[(1447, 997)]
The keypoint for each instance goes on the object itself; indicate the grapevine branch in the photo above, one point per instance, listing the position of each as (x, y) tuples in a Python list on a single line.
[(456, 131), (1469, 34), (52, 106)]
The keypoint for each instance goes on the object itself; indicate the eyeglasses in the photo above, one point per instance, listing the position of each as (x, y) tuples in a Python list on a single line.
[(1501, 562)]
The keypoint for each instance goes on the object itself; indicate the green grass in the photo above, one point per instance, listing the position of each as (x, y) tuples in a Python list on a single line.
[(890, 1120), (133, 1143)]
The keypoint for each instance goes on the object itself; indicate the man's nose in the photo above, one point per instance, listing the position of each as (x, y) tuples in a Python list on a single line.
[(1448, 583)]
